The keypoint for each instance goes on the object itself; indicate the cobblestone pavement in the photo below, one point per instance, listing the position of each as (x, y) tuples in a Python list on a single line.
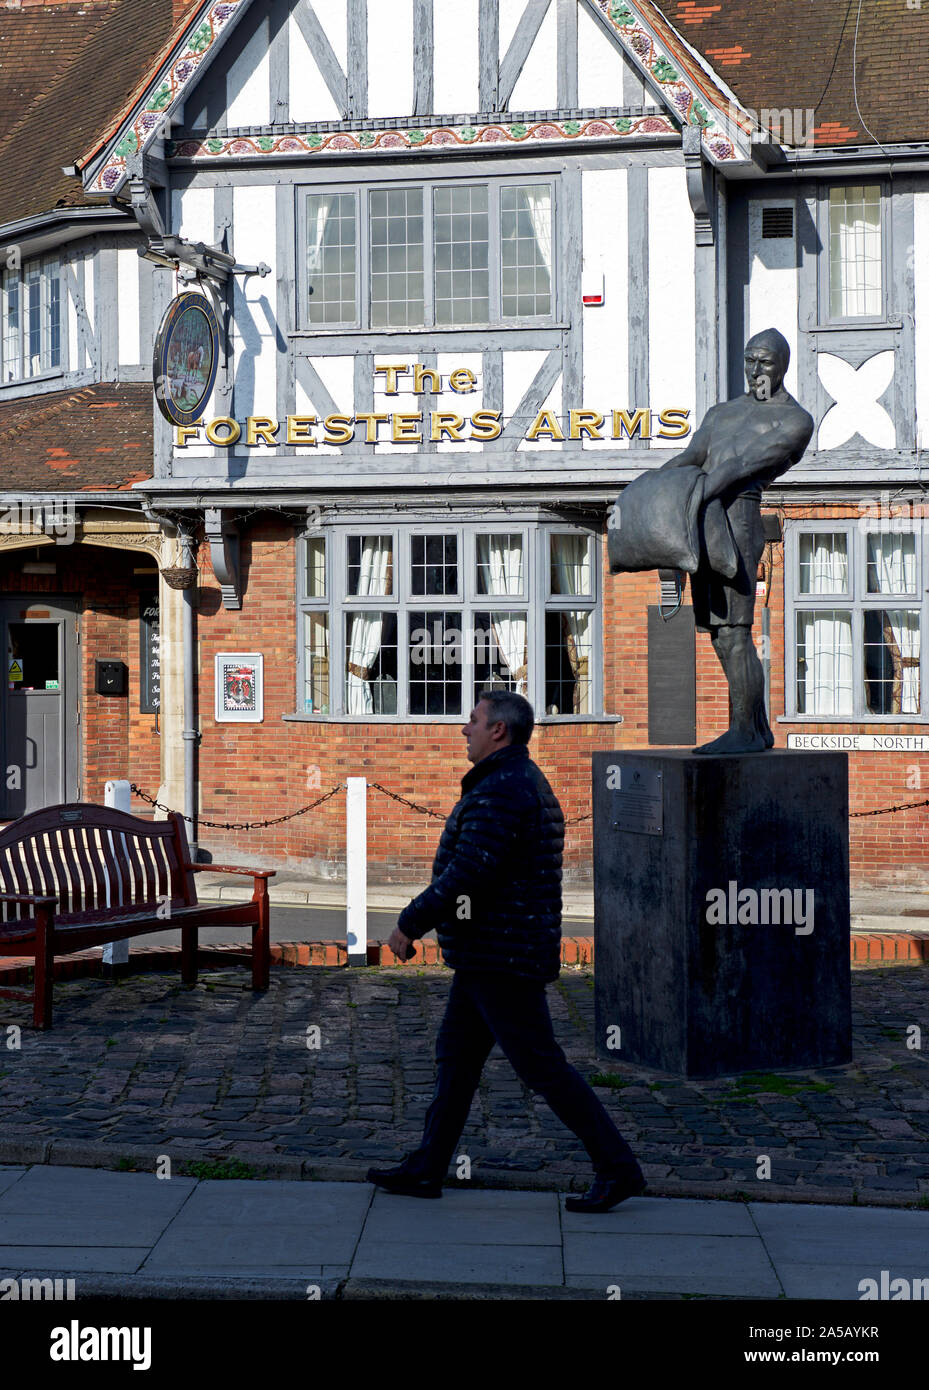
[(145, 1067)]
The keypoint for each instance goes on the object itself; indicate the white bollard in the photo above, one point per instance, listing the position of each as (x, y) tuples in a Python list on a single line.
[(356, 869), (118, 796)]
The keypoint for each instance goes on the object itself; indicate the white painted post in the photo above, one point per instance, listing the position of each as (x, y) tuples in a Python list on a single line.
[(118, 796), (356, 869)]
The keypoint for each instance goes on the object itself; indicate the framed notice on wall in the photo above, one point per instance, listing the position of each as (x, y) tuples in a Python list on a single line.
[(239, 687)]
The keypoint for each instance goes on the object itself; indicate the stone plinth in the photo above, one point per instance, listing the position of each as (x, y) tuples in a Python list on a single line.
[(721, 910)]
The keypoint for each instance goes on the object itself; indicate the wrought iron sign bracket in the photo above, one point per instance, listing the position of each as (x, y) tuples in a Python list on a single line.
[(191, 260), (222, 532)]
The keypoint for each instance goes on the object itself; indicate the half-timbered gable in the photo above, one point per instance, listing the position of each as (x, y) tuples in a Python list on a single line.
[(475, 266)]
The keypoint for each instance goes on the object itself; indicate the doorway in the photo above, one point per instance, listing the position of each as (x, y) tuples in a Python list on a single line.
[(39, 710)]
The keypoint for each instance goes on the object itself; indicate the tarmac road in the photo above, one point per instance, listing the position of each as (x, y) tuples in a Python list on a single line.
[(314, 924)]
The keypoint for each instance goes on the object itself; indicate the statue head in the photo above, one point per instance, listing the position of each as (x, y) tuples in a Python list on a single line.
[(766, 357)]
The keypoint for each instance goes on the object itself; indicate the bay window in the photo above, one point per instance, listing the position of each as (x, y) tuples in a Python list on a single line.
[(425, 617), (855, 622)]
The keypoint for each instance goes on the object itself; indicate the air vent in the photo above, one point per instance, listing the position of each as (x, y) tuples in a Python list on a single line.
[(777, 222)]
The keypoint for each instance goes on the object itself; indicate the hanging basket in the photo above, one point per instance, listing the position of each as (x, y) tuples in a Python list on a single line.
[(179, 577)]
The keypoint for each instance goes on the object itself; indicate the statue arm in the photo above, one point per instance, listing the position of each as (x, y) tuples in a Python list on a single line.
[(772, 456), (696, 452)]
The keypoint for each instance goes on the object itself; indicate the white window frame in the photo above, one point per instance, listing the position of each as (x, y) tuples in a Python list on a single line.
[(826, 315), (856, 601), (362, 193), (535, 601), (49, 268)]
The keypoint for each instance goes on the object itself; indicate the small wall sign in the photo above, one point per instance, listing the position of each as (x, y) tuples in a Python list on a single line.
[(239, 687), (186, 358)]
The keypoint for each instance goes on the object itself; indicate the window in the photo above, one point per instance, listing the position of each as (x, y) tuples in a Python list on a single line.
[(425, 617), (30, 306), (856, 621), (437, 254), (856, 275)]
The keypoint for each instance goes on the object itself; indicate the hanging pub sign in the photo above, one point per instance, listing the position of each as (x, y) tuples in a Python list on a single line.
[(186, 358)]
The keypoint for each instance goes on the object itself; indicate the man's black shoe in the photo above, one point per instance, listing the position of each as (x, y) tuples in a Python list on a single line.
[(607, 1193), (404, 1184)]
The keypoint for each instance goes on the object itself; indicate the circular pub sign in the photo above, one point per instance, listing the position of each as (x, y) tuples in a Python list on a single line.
[(186, 358)]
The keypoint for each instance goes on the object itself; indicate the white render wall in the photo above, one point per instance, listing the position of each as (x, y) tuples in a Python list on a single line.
[(255, 309), (127, 292), (606, 329), (671, 298), (390, 58), (773, 287), (455, 65), (248, 82)]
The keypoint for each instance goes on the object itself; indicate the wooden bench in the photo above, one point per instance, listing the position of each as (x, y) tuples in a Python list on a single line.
[(81, 875)]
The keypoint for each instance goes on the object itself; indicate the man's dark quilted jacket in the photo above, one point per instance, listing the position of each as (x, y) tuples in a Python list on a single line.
[(495, 896)]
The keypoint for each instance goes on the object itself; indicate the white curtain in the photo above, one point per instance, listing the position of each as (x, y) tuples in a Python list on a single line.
[(316, 230), (892, 570), (825, 558), (855, 251), (571, 575), (316, 646), (366, 628), (892, 562), (825, 681), (539, 204), (901, 635), (501, 558)]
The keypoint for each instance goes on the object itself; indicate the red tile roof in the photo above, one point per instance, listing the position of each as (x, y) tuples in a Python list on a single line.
[(67, 70), (97, 439), (70, 69), (802, 54)]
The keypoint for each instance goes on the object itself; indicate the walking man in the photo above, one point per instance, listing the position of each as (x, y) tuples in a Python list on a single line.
[(495, 903)]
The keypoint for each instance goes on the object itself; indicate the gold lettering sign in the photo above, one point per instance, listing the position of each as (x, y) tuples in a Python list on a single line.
[(412, 427)]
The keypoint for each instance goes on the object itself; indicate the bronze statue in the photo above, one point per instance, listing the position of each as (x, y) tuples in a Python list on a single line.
[(708, 523)]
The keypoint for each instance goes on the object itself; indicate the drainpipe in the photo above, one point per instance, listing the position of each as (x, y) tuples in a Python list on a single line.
[(189, 732)]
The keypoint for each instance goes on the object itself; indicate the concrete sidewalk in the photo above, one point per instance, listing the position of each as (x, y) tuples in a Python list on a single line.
[(872, 909), (124, 1235)]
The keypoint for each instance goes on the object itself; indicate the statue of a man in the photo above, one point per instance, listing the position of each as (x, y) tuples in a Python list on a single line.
[(743, 445)]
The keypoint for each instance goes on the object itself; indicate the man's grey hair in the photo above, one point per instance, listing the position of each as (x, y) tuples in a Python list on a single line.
[(514, 710)]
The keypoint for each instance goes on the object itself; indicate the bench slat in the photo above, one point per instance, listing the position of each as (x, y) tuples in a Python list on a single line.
[(100, 880), (73, 844), (65, 890)]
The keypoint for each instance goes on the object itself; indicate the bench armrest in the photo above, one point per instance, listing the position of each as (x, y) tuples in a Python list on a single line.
[(28, 898), (230, 869)]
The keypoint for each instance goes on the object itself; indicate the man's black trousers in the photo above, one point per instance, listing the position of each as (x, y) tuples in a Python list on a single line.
[(484, 1008)]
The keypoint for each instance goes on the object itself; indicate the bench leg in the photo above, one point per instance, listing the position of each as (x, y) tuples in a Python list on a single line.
[(261, 937), (44, 970), (188, 955)]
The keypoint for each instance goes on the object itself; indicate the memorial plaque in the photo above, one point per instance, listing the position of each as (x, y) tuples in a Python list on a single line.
[(635, 798)]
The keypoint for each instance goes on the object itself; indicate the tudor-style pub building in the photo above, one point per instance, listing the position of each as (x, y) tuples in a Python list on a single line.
[(473, 267)]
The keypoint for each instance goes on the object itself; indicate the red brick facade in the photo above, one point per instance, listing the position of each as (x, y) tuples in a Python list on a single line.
[(251, 772), (255, 772)]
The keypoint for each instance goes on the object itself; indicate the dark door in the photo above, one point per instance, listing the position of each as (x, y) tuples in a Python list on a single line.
[(38, 704)]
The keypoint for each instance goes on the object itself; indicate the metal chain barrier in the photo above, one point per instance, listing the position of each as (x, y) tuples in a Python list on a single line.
[(887, 810), (395, 796), (246, 825), (425, 810)]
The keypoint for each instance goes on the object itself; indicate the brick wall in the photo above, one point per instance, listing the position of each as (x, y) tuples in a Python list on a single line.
[(117, 741), (255, 772)]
